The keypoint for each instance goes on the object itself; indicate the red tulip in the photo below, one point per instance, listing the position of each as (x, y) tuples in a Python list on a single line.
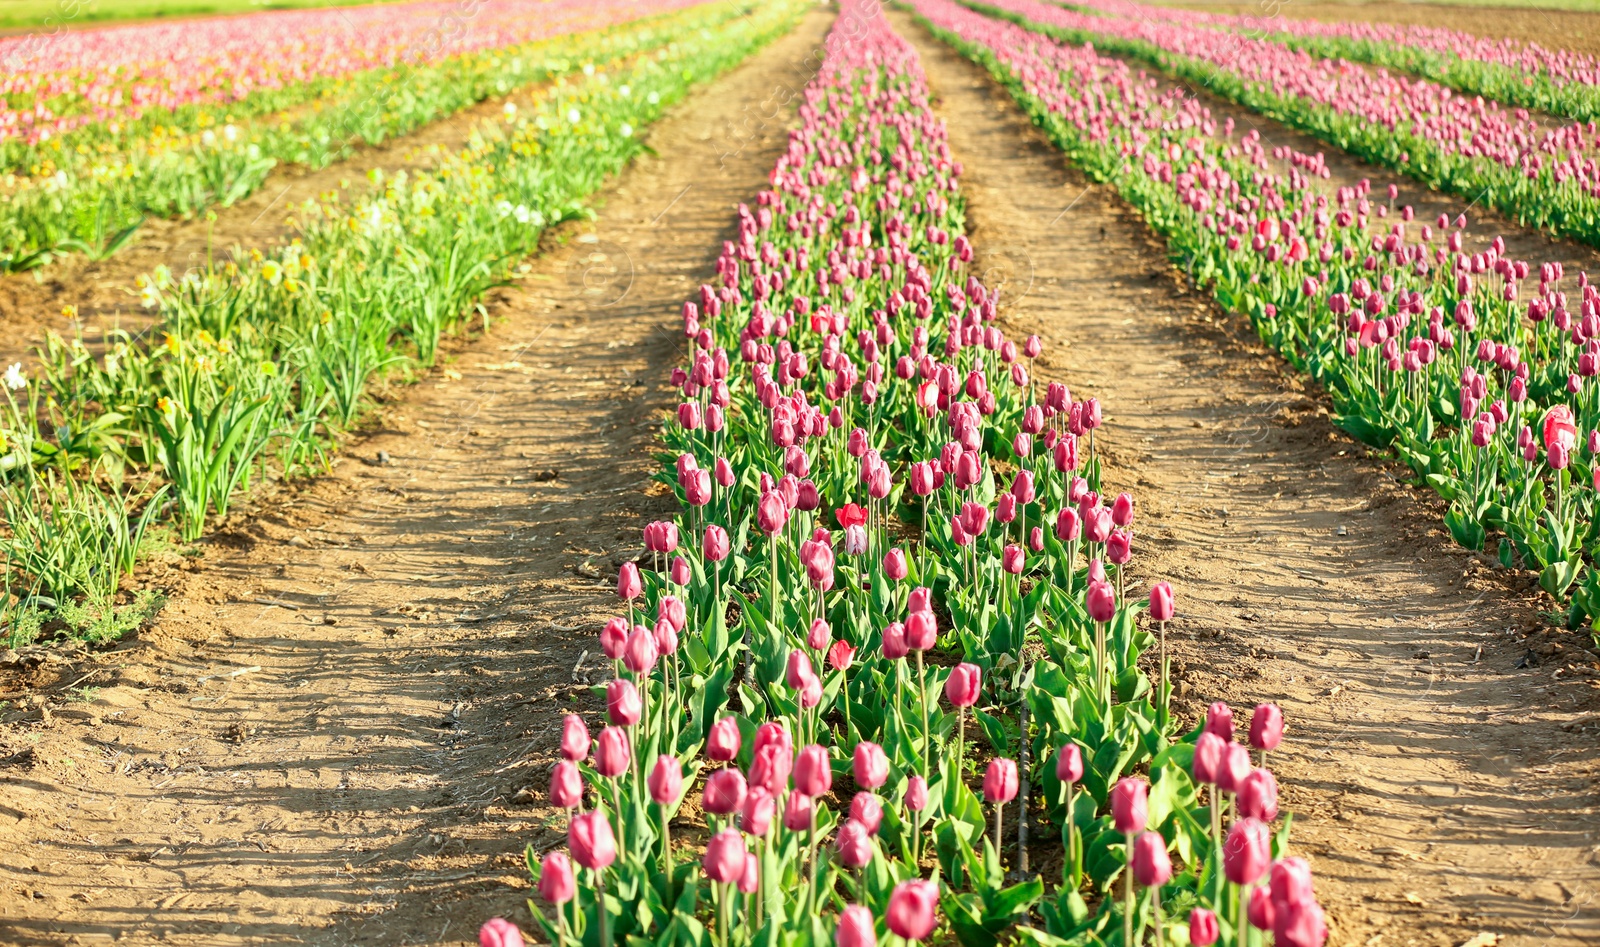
[(556, 884), (1013, 559), (1000, 781), (1246, 851), (870, 766), (1151, 866), (1069, 526), (723, 861), (666, 780), (724, 792), (1266, 727), (911, 909), (574, 738), (840, 655), (851, 514), (566, 785), (590, 840), (855, 928), (499, 932), (1203, 928), (813, 773), (722, 743), (622, 702)]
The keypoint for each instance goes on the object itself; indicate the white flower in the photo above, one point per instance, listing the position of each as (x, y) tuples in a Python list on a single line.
[(503, 209), (208, 138), (230, 132), (626, 130), (588, 69), (15, 380), (652, 98), (510, 110), (574, 116), (148, 297), (625, 91)]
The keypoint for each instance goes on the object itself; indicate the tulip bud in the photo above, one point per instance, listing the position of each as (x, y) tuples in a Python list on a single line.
[(922, 630), (1152, 867), (614, 637), (916, 794), (666, 780), (623, 706), (1258, 795), (574, 738), (641, 652), (1122, 510), (724, 792), (921, 599), (813, 772), (798, 813), (629, 585), (894, 641), (1203, 928), (870, 765), (1102, 601), (1208, 753), (1000, 781), (566, 785), (1219, 720), (798, 670), (1235, 767), (1300, 925), (1266, 727), (556, 884), (911, 909), (1161, 604), (894, 564), (1130, 805), (963, 685), (590, 840), (1261, 912), (681, 571), (499, 932), (1246, 851), (1069, 763), (854, 844), (856, 928), (867, 809), (840, 656), (724, 859), (759, 809), (716, 544)]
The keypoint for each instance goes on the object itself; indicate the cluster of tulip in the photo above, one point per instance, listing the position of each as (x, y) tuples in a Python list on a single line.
[(1543, 176), (890, 530), (269, 357), (1426, 346), (89, 190), (1517, 72)]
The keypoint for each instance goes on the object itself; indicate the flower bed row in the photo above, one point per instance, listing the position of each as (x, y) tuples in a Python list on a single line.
[(89, 193), (261, 364), (1478, 370), (1515, 72), (1549, 178), (893, 569)]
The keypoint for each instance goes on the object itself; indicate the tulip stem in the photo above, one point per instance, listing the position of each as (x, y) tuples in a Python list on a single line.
[(1242, 925), (1165, 713), (1155, 910), (600, 907), (1022, 818), (922, 698), (666, 845), (1127, 896)]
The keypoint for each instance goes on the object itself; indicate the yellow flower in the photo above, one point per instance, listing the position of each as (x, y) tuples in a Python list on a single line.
[(172, 344), (269, 368)]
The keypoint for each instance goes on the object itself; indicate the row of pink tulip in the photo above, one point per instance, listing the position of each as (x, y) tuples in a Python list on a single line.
[(890, 531), (51, 85)]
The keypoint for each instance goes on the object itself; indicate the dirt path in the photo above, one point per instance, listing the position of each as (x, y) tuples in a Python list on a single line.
[(1435, 786), (345, 766)]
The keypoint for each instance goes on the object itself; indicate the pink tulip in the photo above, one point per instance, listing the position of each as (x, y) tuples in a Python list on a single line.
[(1246, 851), (1151, 866), (916, 794), (574, 738), (1235, 767), (894, 564), (590, 840), (870, 766), (755, 819), (716, 546), (1266, 727), (856, 928), (623, 706), (813, 772), (641, 652), (724, 859), (612, 752), (1209, 751), (1102, 601), (770, 768), (1258, 795), (499, 932), (629, 585), (840, 656), (722, 743), (1069, 763), (666, 780), (1300, 925), (1219, 720), (724, 792), (1203, 928), (614, 638), (894, 641), (854, 844), (1260, 911), (1013, 559), (1161, 604), (798, 813), (566, 785), (867, 809), (911, 909), (1000, 781), (556, 884), (1291, 882), (1129, 805), (798, 669), (922, 631), (818, 637)]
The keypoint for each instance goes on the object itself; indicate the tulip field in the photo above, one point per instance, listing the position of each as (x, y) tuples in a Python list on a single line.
[(894, 668)]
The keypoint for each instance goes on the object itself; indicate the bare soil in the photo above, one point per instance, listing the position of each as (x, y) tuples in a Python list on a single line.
[(1440, 760), (1553, 29), (340, 729)]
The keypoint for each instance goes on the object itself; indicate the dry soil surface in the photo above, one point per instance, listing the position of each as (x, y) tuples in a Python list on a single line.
[(328, 737), (1441, 773)]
